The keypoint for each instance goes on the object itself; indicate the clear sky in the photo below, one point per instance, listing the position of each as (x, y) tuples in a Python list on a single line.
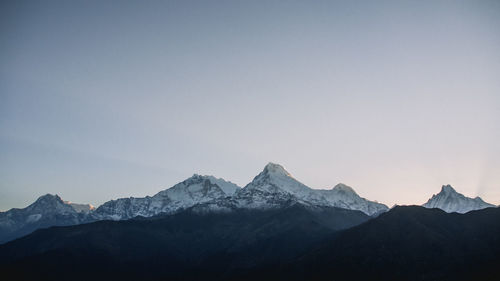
[(108, 99)]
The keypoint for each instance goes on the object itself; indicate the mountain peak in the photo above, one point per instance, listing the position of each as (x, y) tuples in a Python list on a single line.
[(448, 189), (49, 198), (197, 177), (273, 168), (344, 188), (50, 204), (227, 187), (271, 185), (450, 200)]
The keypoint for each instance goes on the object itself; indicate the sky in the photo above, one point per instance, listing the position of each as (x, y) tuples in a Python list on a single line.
[(107, 99)]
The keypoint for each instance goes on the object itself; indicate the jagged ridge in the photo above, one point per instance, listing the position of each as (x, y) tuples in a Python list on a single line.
[(274, 187), (449, 200)]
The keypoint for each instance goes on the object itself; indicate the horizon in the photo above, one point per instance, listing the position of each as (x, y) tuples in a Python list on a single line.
[(291, 175), (105, 100)]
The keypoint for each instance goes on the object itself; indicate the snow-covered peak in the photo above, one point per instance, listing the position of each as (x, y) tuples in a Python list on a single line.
[(271, 188), (194, 190), (49, 198), (344, 196), (450, 201), (47, 210), (274, 185), (448, 189), (275, 179), (201, 185), (344, 188), (276, 169), (53, 203), (227, 187), (49, 203)]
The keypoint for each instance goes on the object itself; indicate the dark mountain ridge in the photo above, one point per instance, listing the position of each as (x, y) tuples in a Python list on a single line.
[(407, 243), (292, 243), (182, 245)]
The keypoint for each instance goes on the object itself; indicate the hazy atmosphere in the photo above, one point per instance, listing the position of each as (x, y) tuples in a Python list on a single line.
[(108, 99)]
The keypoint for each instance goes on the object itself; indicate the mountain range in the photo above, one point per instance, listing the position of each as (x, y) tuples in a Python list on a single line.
[(273, 188), (274, 228)]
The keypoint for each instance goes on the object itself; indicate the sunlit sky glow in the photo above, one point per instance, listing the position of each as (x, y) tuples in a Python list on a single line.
[(108, 99)]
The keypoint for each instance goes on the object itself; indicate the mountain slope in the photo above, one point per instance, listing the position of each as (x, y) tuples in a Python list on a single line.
[(343, 196), (81, 208), (274, 185), (47, 210), (292, 243), (271, 188), (186, 245), (194, 190), (450, 201), (408, 243)]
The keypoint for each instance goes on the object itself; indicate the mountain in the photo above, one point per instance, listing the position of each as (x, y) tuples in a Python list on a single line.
[(343, 196), (187, 245), (289, 243), (194, 190), (405, 243), (48, 210), (51, 210), (274, 185), (450, 201)]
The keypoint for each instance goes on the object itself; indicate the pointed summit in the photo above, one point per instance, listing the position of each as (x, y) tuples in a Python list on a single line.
[(277, 176), (274, 185), (49, 203), (271, 187), (273, 168), (451, 201), (448, 189), (194, 190), (47, 210), (49, 198)]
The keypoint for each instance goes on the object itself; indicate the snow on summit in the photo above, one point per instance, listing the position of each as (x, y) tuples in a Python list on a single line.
[(449, 200), (274, 178), (273, 187), (194, 190), (47, 210), (275, 184)]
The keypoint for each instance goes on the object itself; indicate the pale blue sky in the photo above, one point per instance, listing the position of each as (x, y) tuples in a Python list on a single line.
[(108, 99)]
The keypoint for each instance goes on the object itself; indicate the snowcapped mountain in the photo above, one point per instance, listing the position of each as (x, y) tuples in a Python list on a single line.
[(450, 201), (194, 190), (48, 210), (274, 185), (343, 196)]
